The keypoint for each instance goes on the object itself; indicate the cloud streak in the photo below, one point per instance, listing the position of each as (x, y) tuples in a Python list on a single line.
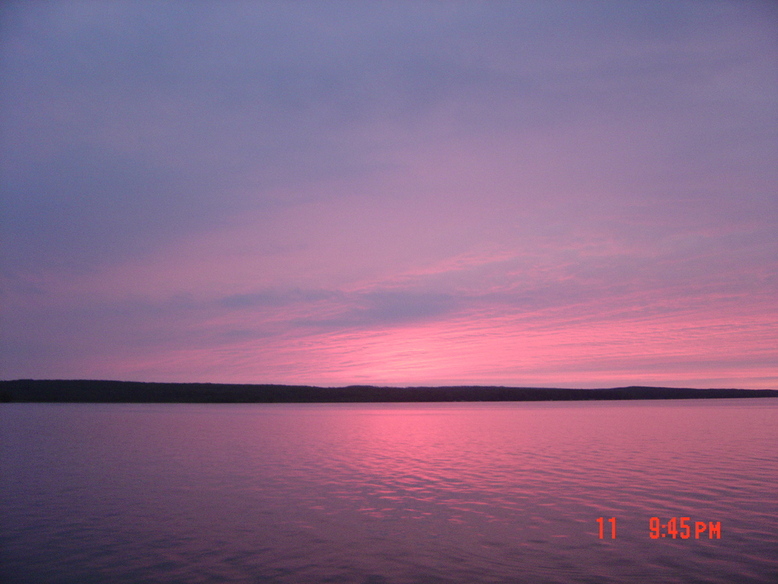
[(555, 193)]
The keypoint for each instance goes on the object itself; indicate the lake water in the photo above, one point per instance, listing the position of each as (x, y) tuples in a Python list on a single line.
[(388, 493)]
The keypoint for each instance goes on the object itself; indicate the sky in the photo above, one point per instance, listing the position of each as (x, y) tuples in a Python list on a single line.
[(527, 193)]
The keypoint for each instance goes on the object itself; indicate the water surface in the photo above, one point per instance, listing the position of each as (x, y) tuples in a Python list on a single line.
[(387, 493)]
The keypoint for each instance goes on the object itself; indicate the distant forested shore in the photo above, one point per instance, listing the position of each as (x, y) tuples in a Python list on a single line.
[(95, 391)]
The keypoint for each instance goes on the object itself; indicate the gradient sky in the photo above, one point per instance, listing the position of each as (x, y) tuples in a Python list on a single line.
[(570, 194)]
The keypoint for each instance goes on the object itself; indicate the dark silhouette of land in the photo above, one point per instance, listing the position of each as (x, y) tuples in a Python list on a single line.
[(93, 391)]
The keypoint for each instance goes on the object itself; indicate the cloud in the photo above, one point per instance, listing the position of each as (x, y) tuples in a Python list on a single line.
[(275, 298), (253, 177)]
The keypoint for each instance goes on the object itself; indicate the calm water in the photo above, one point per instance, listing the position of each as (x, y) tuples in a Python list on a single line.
[(379, 493)]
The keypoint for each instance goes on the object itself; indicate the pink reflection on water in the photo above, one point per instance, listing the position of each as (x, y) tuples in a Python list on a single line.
[(415, 488)]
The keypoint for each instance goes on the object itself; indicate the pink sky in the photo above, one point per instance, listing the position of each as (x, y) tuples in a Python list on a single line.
[(561, 194)]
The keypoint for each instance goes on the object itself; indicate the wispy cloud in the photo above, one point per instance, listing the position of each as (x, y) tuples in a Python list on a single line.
[(342, 192)]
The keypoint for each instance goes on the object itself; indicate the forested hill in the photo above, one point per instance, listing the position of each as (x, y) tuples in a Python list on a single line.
[(93, 391)]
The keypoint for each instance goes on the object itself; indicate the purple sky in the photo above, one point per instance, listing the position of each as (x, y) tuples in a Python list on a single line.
[(571, 194)]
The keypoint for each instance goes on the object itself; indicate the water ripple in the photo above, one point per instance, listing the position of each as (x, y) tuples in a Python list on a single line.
[(376, 493)]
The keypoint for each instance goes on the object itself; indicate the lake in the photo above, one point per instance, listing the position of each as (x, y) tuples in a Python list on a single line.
[(390, 493)]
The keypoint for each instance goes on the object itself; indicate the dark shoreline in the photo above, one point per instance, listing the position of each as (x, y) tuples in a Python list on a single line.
[(95, 391)]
